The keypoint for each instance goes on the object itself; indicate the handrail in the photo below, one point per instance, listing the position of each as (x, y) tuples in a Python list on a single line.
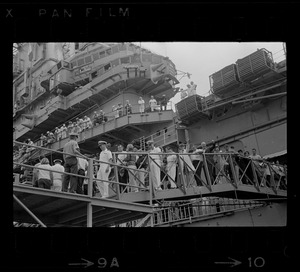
[(177, 213), (112, 115), (235, 173)]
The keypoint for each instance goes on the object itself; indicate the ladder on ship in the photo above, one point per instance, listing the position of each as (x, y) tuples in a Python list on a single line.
[(142, 144), (163, 137)]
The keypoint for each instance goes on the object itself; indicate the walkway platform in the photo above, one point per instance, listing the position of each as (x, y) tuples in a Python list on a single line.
[(220, 190), (59, 209)]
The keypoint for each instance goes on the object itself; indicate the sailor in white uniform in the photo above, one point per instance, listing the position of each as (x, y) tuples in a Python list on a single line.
[(104, 170), (155, 163)]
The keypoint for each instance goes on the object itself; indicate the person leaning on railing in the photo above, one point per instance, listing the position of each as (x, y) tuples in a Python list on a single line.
[(171, 167), (141, 164), (57, 177), (257, 159), (128, 108), (122, 172), (141, 103), (130, 161), (197, 160), (82, 168), (155, 164), (45, 175), (72, 150)]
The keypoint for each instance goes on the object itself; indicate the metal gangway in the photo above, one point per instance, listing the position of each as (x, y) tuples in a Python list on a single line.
[(139, 201)]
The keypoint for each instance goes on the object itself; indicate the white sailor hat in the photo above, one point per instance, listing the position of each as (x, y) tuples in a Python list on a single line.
[(57, 160), (102, 142)]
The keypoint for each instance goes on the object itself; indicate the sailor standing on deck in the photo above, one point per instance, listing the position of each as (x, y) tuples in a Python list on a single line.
[(72, 148), (57, 177), (155, 163), (104, 170), (141, 103)]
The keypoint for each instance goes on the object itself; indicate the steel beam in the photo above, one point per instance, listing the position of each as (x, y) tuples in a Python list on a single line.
[(125, 217), (28, 211), (89, 218)]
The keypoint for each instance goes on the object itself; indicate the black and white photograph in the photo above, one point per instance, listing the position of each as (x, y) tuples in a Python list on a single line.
[(149, 134)]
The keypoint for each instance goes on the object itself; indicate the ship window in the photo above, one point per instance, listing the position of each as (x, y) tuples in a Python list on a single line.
[(74, 64), (80, 62), (125, 60), (96, 56), (115, 62), (88, 59), (102, 54), (107, 67), (58, 65), (108, 51), (115, 49)]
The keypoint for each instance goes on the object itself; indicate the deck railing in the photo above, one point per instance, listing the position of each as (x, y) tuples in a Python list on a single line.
[(205, 173)]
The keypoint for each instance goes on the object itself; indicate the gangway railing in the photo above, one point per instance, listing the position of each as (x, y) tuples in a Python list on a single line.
[(174, 213), (200, 210), (210, 174)]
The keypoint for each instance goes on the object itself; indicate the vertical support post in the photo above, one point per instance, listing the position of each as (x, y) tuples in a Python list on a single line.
[(273, 185), (180, 163), (89, 219), (90, 177), (254, 175), (150, 182), (116, 176), (206, 170), (232, 167), (150, 192)]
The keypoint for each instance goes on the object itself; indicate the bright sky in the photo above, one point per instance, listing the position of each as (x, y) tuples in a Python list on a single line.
[(201, 59)]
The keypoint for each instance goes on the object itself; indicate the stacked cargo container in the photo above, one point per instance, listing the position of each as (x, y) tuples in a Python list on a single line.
[(255, 65), (224, 80), (190, 109), (227, 80)]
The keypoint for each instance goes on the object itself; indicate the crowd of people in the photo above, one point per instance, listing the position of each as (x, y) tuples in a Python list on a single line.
[(163, 164), (81, 124)]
